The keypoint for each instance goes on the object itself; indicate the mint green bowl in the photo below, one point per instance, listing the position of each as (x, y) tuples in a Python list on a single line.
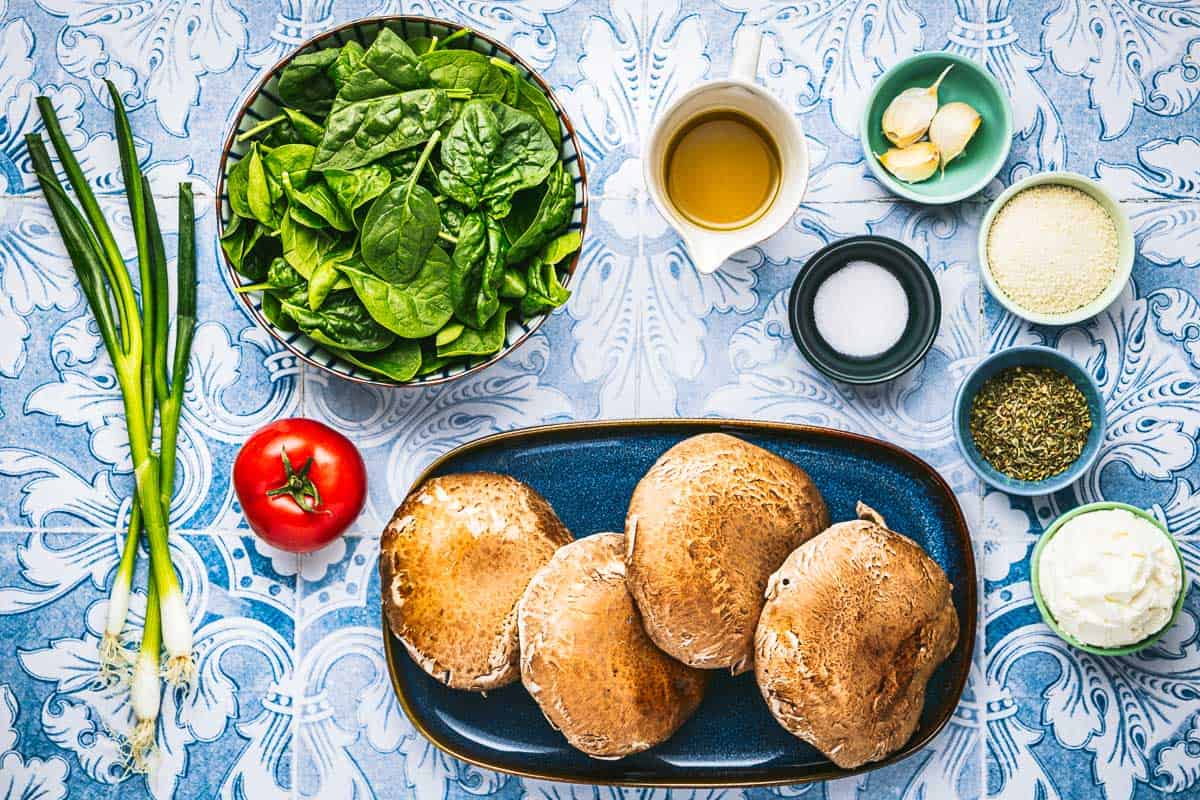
[(967, 82), (1125, 253), (1034, 579)]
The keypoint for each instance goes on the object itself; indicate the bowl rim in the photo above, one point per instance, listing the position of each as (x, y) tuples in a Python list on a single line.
[(1127, 243), (1043, 609), (257, 87), (1028, 488), (924, 274), (897, 187)]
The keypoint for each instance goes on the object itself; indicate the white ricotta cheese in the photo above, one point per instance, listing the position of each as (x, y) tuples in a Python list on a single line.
[(1109, 578)]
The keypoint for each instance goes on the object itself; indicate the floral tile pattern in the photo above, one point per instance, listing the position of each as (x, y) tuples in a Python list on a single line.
[(295, 700)]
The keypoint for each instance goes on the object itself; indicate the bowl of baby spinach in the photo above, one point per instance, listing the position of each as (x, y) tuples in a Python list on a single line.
[(401, 201)]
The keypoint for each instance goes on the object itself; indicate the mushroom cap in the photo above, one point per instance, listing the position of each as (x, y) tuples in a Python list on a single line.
[(856, 621), (707, 525), (588, 662), (453, 564)]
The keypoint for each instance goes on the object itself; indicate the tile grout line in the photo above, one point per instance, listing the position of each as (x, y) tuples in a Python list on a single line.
[(35, 197), (297, 689), (981, 608)]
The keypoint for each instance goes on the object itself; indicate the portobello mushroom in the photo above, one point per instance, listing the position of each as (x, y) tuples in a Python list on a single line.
[(587, 661), (706, 527), (454, 562), (856, 621)]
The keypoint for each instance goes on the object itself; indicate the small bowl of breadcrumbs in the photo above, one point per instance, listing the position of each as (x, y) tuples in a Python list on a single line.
[(1056, 248)]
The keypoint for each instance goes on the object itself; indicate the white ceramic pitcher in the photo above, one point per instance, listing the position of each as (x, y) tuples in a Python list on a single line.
[(709, 248)]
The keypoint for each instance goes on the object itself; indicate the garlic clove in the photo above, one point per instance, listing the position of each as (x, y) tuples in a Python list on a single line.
[(911, 164), (952, 127), (907, 117)]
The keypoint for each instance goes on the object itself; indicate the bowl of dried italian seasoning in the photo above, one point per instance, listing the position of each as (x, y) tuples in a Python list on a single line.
[(1056, 248), (1029, 420)]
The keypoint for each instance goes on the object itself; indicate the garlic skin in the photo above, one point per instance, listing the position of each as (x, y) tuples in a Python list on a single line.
[(952, 127), (911, 164), (908, 116)]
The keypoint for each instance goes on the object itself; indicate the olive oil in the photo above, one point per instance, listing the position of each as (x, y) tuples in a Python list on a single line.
[(722, 170)]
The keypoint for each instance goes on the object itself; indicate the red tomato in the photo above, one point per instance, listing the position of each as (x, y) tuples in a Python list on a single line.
[(300, 483)]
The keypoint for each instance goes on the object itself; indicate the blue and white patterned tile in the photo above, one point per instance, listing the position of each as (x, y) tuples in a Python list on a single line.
[(644, 334), (353, 739), (400, 432), (53, 593), (1062, 723), (70, 466)]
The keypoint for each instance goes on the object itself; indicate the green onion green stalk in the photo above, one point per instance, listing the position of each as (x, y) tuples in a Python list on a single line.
[(137, 342)]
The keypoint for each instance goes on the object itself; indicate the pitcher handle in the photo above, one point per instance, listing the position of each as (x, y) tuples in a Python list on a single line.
[(745, 55)]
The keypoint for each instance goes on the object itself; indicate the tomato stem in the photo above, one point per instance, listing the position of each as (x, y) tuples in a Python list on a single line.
[(298, 485)]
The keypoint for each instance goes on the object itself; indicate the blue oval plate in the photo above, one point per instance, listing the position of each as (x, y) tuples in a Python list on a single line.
[(588, 471)]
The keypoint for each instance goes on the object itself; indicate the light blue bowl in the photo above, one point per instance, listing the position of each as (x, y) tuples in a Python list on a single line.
[(1031, 356)]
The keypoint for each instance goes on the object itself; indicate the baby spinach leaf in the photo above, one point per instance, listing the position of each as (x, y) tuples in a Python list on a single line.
[(420, 44), (349, 57), (452, 216), (560, 247), (282, 278), (401, 227), (356, 187), (400, 361), (467, 152), (272, 309), (342, 322), (258, 192), (307, 131), (450, 332), (545, 292), (293, 159), (514, 286), (492, 151), (531, 100), (482, 342), (415, 309), (431, 363), (525, 157), (239, 239), (464, 69), (305, 248), (307, 218), (305, 82), (324, 279), (553, 212), (388, 66), (319, 199), (470, 251), (359, 133), (236, 186)]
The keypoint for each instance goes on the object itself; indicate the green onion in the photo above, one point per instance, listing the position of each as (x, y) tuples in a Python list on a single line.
[(137, 342), (144, 688)]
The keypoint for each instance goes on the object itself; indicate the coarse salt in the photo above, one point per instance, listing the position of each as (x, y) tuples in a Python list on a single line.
[(1052, 249), (861, 310)]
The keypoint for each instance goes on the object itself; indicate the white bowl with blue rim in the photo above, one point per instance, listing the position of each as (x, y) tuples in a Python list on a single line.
[(261, 103)]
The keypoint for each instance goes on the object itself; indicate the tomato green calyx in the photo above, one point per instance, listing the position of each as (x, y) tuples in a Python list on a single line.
[(298, 486)]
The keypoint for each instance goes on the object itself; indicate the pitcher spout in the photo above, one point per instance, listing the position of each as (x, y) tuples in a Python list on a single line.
[(706, 257)]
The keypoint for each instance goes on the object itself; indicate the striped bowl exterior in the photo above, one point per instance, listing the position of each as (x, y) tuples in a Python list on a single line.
[(262, 103)]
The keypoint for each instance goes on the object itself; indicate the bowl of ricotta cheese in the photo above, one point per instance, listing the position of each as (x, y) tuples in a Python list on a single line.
[(1108, 578)]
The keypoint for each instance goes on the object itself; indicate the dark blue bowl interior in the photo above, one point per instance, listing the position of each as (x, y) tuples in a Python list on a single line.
[(588, 474), (1029, 357)]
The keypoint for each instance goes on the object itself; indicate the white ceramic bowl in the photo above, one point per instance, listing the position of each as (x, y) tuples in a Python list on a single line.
[(1125, 250)]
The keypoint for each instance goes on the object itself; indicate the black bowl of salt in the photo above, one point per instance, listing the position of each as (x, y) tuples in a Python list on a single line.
[(865, 310)]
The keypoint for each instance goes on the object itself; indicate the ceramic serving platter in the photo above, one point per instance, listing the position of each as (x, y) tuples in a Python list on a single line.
[(587, 471)]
